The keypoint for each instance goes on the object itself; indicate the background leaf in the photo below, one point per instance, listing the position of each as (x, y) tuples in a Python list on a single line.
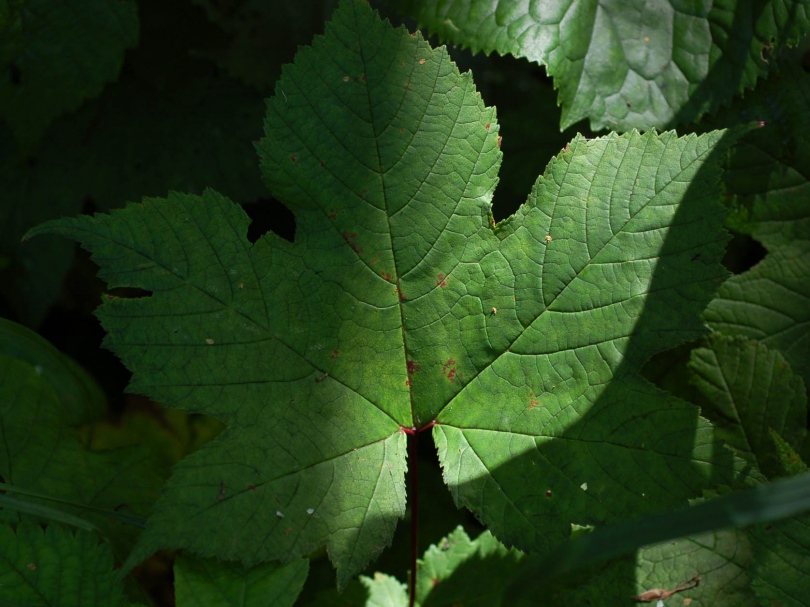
[(782, 570), (56, 54), (751, 392), (39, 568), (623, 66), (211, 583), (212, 125), (41, 402), (768, 177)]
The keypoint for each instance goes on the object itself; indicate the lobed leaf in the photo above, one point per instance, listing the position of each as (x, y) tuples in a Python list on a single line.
[(401, 306)]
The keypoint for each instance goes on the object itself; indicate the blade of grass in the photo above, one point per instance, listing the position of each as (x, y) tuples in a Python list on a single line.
[(780, 499), (123, 518)]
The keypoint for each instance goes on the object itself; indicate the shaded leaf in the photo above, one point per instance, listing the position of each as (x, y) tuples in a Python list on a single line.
[(766, 503), (55, 54), (782, 572), (54, 566), (751, 392), (628, 65), (263, 35), (400, 307), (211, 583), (768, 177), (41, 452), (469, 572)]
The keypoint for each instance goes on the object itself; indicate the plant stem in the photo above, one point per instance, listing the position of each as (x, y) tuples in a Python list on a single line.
[(413, 460)]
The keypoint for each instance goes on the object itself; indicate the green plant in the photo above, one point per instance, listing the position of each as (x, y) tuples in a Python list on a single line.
[(403, 306)]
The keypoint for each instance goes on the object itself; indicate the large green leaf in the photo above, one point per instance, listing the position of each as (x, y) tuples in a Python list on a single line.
[(56, 53), (40, 568), (751, 393), (401, 306), (622, 64)]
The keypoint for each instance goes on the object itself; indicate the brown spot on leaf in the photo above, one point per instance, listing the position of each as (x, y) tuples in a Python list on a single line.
[(487, 126), (332, 214), (500, 139), (413, 367), (345, 78), (351, 239), (548, 493), (293, 157), (440, 280), (335, 354), (31, 566), (387, 276), (449, 369), (421, 62)]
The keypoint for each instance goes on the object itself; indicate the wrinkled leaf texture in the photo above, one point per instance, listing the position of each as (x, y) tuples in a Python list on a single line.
[(624, 65), (400, 303)]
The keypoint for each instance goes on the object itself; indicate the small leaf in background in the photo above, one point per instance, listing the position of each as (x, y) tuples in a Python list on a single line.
[(56, 566), (463, 570), (751, 392), (212, 583), (54, 54), (627, 65), (384, 591), (790, 461), (380, 319)]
